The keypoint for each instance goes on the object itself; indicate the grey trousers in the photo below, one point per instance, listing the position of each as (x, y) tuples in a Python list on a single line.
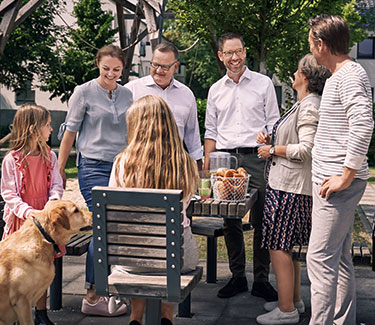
[(233, 233), (329, 262)]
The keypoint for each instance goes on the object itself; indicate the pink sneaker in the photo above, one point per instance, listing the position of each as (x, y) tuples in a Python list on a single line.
[(104, 307)]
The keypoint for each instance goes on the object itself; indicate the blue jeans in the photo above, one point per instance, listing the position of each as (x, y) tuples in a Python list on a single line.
[(91, 173)]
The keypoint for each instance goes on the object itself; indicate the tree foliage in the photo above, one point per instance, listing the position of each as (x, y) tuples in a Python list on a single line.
[(29, 51), (201, 67), (275, 31), (77, 50)]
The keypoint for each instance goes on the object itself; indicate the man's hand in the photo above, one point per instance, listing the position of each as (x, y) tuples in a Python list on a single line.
[(337, 183)]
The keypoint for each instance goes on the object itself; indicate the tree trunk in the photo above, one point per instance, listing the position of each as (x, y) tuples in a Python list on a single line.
[(215, 48)]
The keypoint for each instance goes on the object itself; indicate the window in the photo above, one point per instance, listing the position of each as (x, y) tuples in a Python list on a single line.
[(366, 49), (25, 95)]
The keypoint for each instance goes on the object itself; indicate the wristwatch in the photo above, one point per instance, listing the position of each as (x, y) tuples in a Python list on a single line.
[(272, 150)]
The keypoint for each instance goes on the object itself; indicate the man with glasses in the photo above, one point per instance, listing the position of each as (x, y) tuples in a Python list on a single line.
[(239, 105), (179, 97)]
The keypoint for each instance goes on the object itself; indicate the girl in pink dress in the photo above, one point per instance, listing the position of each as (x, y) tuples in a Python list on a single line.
[(30, 176)]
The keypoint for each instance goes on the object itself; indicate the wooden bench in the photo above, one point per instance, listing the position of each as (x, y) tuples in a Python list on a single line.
[(211, 225), (77, 246), (141, 228)]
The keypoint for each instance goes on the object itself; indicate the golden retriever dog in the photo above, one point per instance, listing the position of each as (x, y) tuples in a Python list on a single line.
[(26, 258)]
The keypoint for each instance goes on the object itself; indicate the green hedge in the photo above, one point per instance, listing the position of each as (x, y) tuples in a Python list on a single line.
[(201, 107)]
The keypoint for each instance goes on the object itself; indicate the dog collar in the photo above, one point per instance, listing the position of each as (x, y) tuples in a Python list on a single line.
[(46, 236)]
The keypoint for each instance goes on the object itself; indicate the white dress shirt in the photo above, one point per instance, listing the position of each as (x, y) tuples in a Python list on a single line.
[(236, 112), (182, 103)]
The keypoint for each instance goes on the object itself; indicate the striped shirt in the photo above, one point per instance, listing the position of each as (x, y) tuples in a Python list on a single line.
[(345, 125)]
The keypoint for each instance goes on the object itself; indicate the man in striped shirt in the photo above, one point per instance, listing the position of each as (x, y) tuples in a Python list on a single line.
[(340, 171)]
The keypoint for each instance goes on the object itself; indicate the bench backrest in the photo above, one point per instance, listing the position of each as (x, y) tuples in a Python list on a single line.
[(139, 228)]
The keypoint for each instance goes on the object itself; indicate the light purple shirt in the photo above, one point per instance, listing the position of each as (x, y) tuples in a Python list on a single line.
[(182, 103)]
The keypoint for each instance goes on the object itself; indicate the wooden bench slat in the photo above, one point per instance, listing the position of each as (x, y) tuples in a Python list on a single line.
[(77, 245), (82, 247), (212, 227), (134, 262), (151, 285), (134, 240), (137, 251), (136, 217), (126, 228), (134, 208), (223, 208)]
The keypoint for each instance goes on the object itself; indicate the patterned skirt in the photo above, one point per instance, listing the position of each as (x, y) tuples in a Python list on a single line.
[(286, 220)]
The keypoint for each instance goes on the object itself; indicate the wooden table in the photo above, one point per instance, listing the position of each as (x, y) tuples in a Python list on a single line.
[(212, 224)]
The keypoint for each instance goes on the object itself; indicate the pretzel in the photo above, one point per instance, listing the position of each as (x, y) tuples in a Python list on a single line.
[(230, 184)]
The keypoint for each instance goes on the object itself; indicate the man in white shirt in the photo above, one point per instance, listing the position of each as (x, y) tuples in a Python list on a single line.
[(339, 172), (179, 97), (239, 105)]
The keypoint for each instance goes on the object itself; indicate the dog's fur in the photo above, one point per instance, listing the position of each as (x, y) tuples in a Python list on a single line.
[(26, 258)]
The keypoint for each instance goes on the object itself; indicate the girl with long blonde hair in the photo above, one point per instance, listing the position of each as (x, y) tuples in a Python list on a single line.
[(156, 158), (30, 176)]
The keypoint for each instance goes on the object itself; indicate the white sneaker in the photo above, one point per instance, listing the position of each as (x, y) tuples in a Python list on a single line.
[(273, 304), (276, 316)]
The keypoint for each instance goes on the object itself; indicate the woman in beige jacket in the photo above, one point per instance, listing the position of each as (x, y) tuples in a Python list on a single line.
[(288, 202)]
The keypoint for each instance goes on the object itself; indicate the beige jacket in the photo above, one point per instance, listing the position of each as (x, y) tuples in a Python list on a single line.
[(296, 131)]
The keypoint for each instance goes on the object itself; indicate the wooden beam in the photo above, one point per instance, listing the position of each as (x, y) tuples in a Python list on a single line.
[(6, 25), (126, 4), (167, 15), (130, 52), (5, 4), (156, 5), (26, 11), (121, 30)]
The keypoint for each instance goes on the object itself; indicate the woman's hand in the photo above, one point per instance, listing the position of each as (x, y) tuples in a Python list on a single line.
[(263, 138), (264, 151)]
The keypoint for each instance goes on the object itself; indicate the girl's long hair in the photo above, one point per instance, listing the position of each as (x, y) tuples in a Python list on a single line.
[(155, 156), (26, 133)]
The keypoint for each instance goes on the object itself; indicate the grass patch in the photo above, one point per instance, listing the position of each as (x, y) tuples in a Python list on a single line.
[(71, 170), (359, 234), (221, 247), (371, 180)]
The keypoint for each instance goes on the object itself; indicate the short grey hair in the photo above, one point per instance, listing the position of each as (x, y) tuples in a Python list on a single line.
[(167, 47), (315, 73)]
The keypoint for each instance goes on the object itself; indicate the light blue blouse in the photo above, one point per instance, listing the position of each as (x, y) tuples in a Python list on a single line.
[(99, 120)]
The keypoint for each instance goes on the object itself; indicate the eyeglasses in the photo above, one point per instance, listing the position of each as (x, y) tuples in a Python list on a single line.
[(164, 67), (229, 54)]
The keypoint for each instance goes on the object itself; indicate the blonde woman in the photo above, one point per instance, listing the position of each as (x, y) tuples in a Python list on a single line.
[(155, 158)]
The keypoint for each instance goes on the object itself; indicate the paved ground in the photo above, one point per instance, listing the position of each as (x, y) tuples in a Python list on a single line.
[(207, 308)]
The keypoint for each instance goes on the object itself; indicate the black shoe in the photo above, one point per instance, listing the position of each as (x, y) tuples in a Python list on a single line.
[(41, 318), (234, 286), (134, 322), (264, 290), (165, 321)]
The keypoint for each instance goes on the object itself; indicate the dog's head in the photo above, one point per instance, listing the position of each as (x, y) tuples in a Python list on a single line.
[(63, 219)]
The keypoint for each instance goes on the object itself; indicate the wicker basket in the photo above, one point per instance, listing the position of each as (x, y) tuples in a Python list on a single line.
[(230, 189)]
